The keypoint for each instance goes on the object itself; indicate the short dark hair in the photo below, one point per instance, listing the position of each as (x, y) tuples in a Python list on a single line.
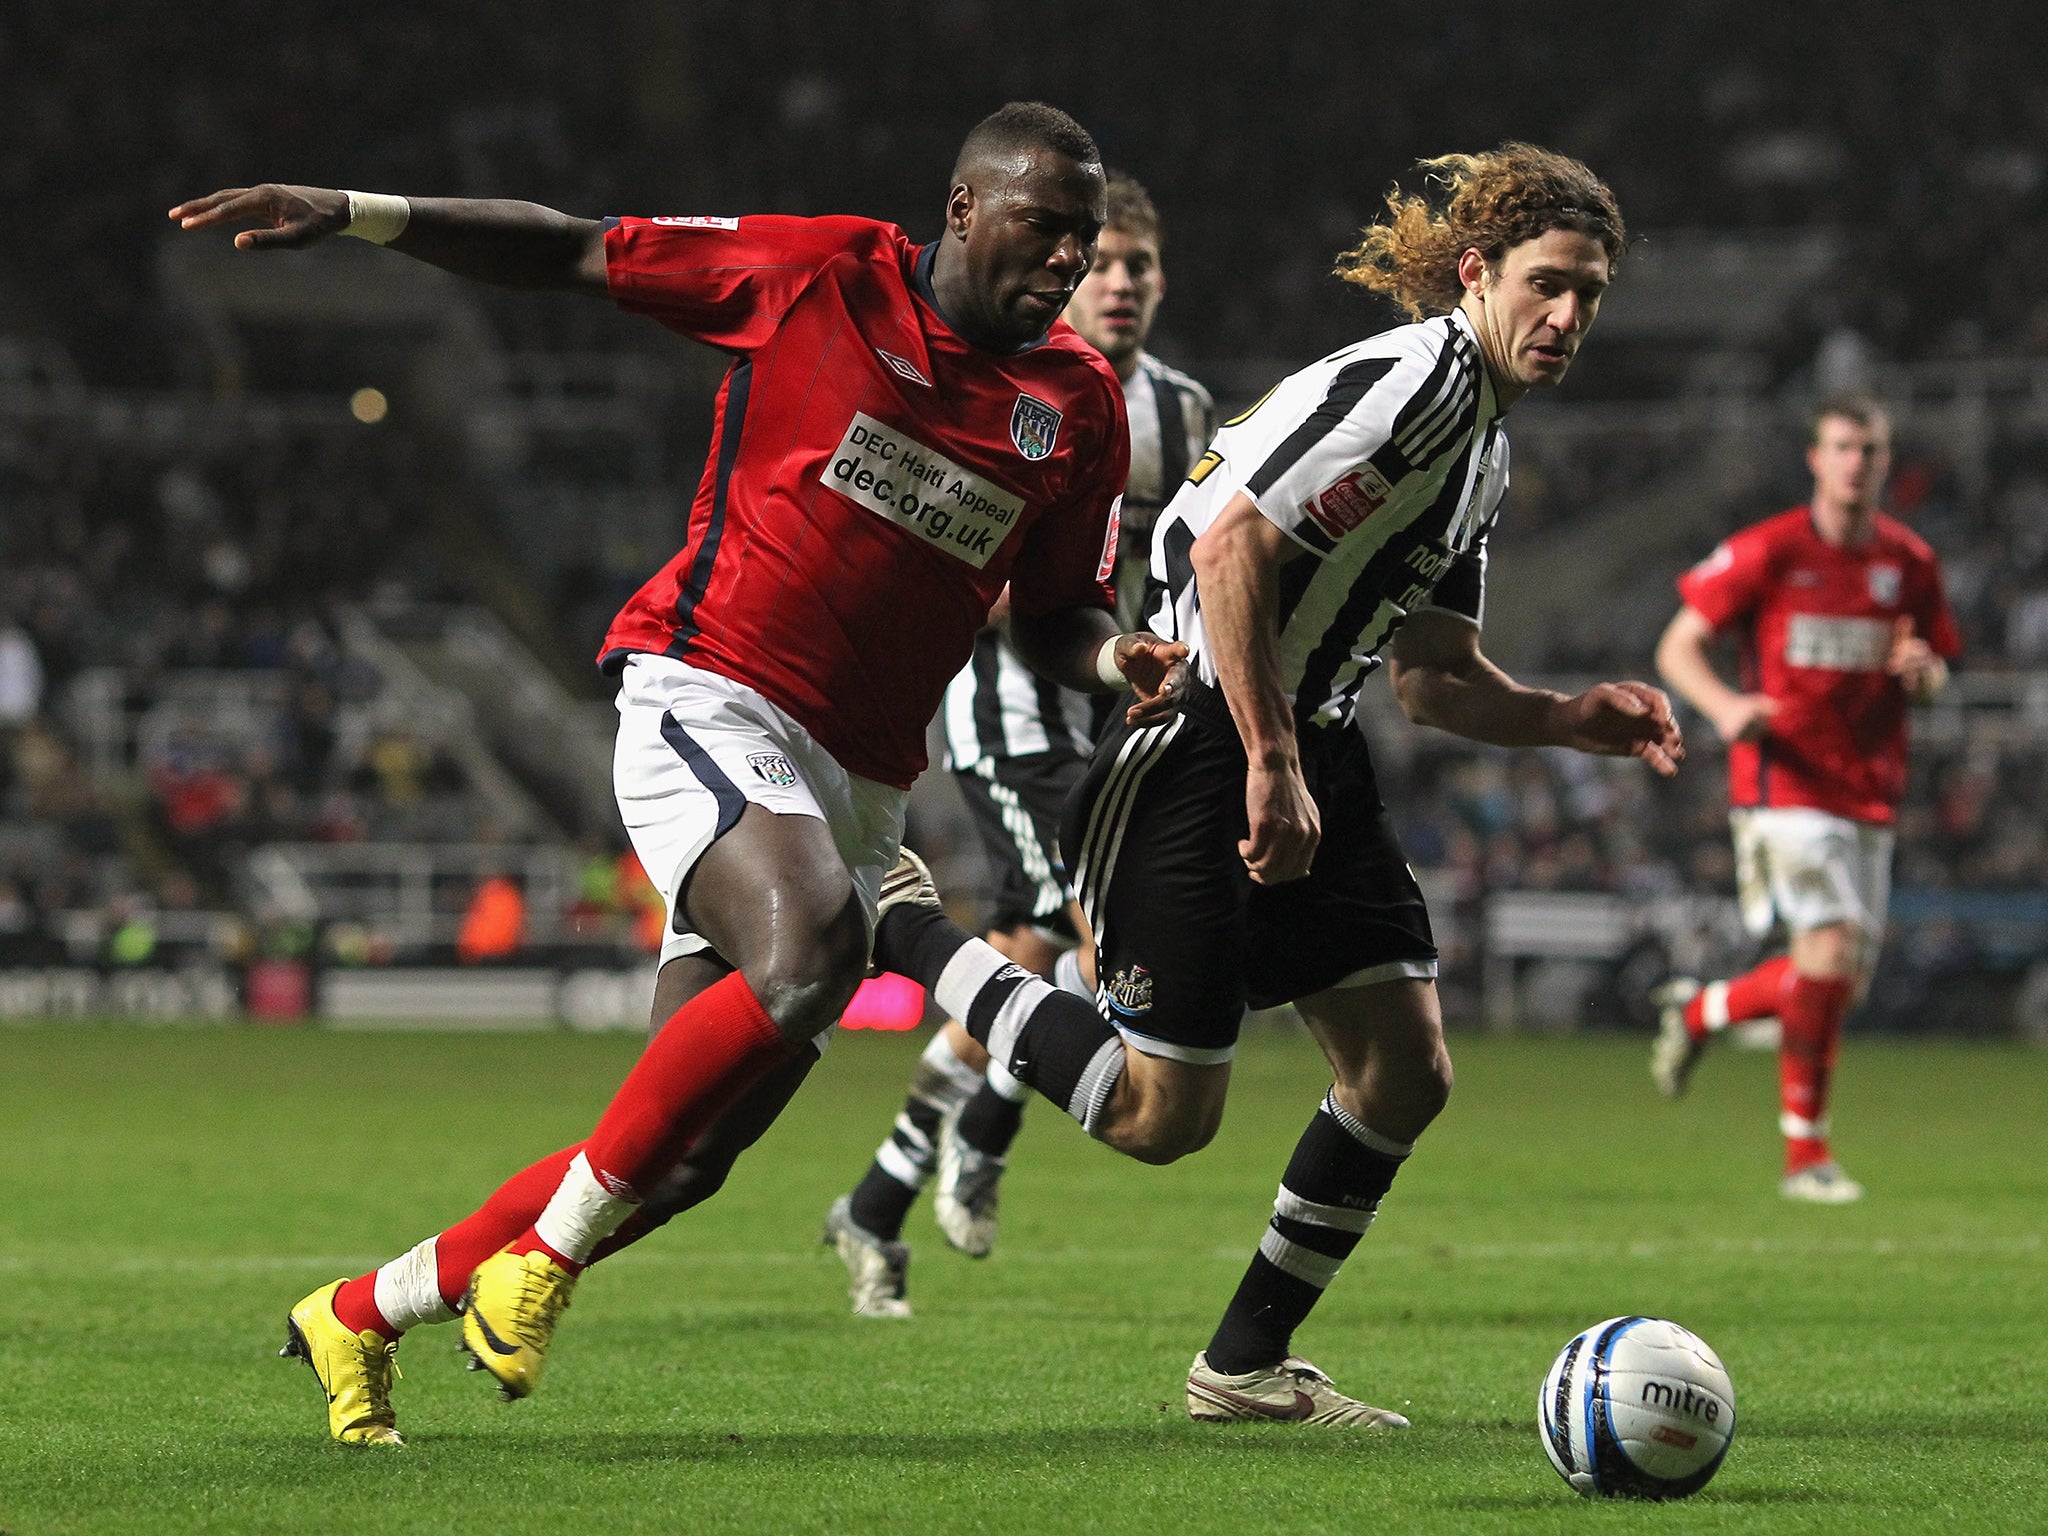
[(1857, 405), (1026, 125), (1131, 210)]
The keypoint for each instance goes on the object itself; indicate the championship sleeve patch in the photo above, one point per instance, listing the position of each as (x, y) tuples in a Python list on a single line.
[(1116, 519), (1343, 506), (891, 474), (693, 221)]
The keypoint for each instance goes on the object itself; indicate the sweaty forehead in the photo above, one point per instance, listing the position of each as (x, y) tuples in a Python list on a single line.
[(1040, 176)]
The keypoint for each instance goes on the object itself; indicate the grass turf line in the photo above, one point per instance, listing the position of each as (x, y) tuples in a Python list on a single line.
[(164, 1197)]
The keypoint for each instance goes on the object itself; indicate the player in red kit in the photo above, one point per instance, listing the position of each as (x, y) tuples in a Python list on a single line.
[(903, 431), (1843, 623)]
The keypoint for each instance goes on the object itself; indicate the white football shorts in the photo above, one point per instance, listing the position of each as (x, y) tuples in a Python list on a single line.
[(696, 748), (1810, 869)]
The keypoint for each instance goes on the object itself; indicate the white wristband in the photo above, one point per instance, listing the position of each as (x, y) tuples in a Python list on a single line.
[(1106, 668), (378, 217)]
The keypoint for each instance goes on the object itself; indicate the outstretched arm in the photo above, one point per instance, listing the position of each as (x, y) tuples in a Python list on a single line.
[(1443, 679), (511, 244)]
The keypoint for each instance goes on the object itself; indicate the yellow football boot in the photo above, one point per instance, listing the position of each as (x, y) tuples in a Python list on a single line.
[(509, 1316), (355, 1370)]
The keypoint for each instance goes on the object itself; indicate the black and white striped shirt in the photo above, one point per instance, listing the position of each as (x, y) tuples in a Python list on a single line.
[(997, 707), (1387, 462)]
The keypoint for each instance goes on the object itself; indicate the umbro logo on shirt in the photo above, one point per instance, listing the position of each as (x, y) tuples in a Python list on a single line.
[(903, 367)]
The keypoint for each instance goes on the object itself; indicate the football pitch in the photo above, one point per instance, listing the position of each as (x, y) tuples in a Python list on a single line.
[(165, 1196)]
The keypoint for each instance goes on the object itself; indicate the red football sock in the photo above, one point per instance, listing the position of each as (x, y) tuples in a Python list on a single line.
[(510, 1211), (712, 1050), (355, 1304), (457, 1251), (1755, 994), (1812, 1013)]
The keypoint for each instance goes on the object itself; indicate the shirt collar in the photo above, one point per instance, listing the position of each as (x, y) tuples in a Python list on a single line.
[(1489, 403)]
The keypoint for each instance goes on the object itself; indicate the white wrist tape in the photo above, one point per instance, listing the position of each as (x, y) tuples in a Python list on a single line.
[(378, 217), (1106, 667)]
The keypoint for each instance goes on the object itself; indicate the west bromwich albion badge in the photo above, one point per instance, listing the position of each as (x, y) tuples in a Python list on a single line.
[(1034, 427)]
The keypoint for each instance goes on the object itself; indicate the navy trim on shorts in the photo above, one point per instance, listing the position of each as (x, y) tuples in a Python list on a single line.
[(731, 425), (730, 801)]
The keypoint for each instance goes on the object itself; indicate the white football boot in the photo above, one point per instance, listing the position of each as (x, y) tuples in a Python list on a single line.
[(908, 880), (878, 1271), (1821, 1184), (967, 1192), (1292, 1392), (1677, 1049)]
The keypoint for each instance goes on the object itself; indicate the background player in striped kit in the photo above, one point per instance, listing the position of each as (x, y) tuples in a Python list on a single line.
[(1843, 621), (1018, 744), (1241, 852)]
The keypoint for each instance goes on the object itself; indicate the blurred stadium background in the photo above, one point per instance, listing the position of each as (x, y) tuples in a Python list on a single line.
[(303, 560)]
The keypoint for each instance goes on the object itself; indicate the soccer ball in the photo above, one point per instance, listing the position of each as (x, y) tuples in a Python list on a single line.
[(1636, 1408)]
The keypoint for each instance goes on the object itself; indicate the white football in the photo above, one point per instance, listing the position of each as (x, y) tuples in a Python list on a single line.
[(1636, 1408)]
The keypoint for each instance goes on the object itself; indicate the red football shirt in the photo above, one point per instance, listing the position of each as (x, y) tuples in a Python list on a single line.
[(873, 480), (1816, 623)]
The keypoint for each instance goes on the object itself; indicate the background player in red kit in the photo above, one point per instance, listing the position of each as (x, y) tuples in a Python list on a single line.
[(903, 431), (1842, 619)]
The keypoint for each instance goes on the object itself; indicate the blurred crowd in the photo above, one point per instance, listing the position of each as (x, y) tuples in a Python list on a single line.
[(159, 567), (1917, 142), (1917, 133)]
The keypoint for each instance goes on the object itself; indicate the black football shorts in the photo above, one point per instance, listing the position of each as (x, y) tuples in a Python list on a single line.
[(1016, 804), (1185, 939)]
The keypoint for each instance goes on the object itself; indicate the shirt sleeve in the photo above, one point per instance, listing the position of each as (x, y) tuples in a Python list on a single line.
[(1729, 582), (724, 282), (1462, 589), (1070, 559), (1341, 462), (1933, 619)]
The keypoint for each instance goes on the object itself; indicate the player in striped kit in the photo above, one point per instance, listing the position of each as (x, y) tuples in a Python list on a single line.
[(1843, 622), (1240, 853), (1018, 744)]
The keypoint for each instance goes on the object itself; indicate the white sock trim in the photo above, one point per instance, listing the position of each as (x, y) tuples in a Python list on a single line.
[(1010, 1018), (1305, 1264), (581, 1213), (891, 1159), (1098, 1082), (1362, 1133), (1005, 1083), (973, 966), (1066, 975), (408, 1289), (1714, 1005), (940, 1056), (1342, 1217), (1791, 1125)]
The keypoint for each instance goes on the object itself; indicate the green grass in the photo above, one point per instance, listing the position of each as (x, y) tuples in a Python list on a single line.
[(165, 1196)]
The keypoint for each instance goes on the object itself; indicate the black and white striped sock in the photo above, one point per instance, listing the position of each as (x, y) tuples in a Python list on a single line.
[(1328, 1197), (903, 1163), (1042, 1036)]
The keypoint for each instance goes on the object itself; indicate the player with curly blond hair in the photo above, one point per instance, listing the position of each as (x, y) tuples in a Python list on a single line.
[(1240, 853)]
